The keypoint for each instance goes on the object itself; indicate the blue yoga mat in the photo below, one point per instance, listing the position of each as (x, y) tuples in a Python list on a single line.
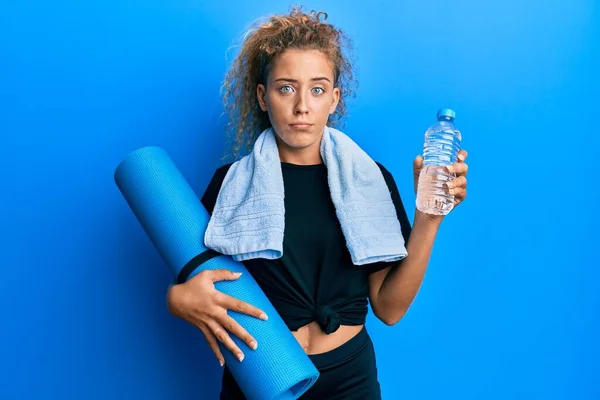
[(175, 221)]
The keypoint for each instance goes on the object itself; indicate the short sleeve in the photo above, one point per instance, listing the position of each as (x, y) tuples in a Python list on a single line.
[(400, 213), (211, 193)]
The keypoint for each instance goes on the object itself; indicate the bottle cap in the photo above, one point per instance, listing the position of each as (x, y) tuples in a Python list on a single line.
[(446, 113)]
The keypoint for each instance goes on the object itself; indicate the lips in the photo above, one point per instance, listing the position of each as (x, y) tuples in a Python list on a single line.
[(301, 125)]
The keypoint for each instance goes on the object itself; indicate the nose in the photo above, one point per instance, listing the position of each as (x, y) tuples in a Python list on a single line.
[(301, 106)]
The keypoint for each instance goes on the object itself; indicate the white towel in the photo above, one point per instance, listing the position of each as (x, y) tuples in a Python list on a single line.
[(248, 219)]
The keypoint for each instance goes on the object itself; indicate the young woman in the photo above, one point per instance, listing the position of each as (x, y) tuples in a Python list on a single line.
[(292, 76)]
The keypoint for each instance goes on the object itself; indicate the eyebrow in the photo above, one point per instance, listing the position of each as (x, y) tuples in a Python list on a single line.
[(320, 78)]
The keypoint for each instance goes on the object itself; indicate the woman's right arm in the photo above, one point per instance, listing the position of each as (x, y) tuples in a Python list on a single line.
[(198, 302)]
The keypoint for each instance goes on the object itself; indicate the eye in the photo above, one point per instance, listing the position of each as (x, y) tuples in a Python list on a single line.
[(318, 90), (286, 89)]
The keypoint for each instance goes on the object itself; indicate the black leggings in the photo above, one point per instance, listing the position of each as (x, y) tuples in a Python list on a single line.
[(348, 372)]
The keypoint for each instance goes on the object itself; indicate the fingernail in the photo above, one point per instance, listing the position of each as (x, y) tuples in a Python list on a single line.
[(253, 345), (221, 362), (449, 184), (240, 357), (238, 274), (449, 168), (461, 156), (264, 317)]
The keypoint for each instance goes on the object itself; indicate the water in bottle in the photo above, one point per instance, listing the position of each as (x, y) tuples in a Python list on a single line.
[(442, 143)]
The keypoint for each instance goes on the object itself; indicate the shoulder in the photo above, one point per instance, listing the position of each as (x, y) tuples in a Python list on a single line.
[(389, 178), (397, 200), (222, 171), (382, 167), (214, 186), (219, 175)]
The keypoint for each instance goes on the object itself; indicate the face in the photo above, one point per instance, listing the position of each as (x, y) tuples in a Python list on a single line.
[(299, 97)]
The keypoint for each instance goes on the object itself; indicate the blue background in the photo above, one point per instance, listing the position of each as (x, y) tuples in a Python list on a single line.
[(509, 307)]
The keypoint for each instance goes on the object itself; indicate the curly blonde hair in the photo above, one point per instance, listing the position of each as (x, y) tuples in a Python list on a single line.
[(261, 45)]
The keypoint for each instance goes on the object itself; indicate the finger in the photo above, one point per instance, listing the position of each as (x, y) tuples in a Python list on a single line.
[(459, 182), (232, 326), (222, 336), (418, 162), (458, 168), (417, 167), (231, 303), (223, 275), (462, 155), (213, 344), (459, 193)]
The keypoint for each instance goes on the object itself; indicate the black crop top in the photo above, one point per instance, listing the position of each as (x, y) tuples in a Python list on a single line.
[(315, 279)]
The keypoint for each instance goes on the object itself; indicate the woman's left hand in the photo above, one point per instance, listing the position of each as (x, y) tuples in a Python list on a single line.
[(457, 186)]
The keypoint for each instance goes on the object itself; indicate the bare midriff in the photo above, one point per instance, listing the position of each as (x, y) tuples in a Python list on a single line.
[(314, 341)]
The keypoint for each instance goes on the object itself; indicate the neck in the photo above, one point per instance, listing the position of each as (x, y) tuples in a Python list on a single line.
[(300, 158), (310, 155)]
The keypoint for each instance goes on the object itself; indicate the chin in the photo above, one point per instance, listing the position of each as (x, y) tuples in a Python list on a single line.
[(299, 140)]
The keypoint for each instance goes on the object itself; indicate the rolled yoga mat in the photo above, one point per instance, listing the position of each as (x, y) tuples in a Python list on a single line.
[(175, 221)]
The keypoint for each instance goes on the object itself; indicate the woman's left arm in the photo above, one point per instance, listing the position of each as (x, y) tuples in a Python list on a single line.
[(392, 290)]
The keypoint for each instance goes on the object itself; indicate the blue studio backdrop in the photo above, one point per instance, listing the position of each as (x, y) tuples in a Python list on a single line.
[(509, 306)]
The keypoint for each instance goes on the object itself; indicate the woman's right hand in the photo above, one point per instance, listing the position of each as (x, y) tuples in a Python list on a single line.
[(198, 302)]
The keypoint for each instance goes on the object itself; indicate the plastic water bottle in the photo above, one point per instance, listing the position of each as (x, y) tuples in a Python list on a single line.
[(442, 143)]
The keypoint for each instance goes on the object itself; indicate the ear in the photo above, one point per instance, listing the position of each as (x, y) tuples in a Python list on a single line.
[(336, 100), (261, 93)]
